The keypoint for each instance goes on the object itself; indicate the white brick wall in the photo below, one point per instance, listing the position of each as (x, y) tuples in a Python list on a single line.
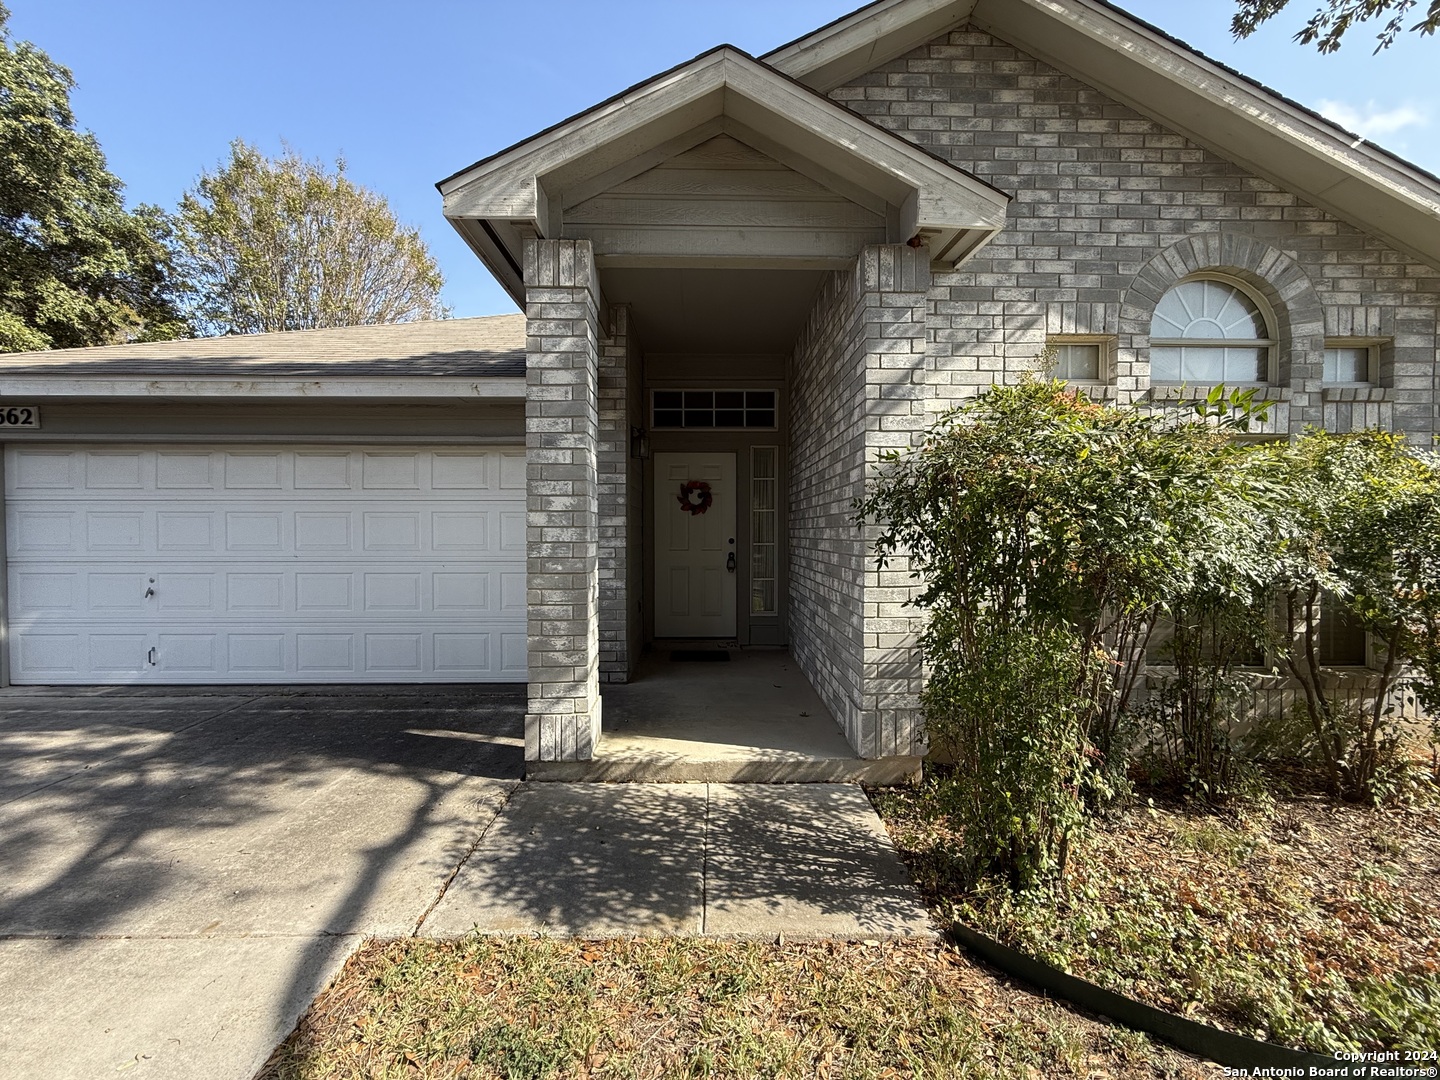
[(562, 344), (621, 576), (857, 385)]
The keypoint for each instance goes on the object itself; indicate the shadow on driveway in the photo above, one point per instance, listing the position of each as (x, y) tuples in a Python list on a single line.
[(241, 812)]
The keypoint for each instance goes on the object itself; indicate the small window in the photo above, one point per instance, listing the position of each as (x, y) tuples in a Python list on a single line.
[(713, 409), (1349, 364), (764, 517), (1207, 330), (1077, 361), (1341, 637)]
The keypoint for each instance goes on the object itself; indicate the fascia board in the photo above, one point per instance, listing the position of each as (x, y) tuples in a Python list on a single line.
[(860, 42), (505, 182), (1199, 99), (376, 387)]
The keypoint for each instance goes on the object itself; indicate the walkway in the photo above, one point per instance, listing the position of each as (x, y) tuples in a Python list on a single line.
[(598, 860)]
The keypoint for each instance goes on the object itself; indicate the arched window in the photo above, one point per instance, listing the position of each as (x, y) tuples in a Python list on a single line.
[(1209, 330)]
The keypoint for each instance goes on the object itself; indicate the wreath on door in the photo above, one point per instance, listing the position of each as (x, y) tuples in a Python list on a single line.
[(695, 496)]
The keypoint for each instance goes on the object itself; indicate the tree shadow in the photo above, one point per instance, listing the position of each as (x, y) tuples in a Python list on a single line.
[(196, 811), (758, 860)]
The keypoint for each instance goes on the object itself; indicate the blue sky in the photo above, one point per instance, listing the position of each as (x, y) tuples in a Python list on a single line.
[(412, 92)]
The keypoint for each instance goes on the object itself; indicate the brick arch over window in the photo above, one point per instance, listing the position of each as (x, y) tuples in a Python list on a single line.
[(1299, 314)]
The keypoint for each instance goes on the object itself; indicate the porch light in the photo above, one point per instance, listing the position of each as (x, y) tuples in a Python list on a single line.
[(639, 443)]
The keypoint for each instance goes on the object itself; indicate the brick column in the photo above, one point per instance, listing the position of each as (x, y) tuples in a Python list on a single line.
[(562, 344), (893, 284)]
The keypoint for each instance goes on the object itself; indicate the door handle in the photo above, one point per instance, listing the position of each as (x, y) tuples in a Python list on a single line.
[(730, 562), (152, 656), (149, 592)]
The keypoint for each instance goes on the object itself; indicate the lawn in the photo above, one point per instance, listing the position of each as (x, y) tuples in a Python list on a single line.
[(1310, 923), (533, 1008)]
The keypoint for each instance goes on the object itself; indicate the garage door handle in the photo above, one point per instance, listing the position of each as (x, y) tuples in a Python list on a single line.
[(152, 655), (149, 593)]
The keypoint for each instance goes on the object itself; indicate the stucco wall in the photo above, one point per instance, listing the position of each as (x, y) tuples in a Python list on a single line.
[(1110, 207)]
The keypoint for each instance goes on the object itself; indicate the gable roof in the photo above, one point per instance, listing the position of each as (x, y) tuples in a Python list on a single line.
[(488, 347), (1161, 77), (523, 191)]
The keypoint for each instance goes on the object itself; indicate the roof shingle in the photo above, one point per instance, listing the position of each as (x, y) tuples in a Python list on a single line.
[(491, 346)]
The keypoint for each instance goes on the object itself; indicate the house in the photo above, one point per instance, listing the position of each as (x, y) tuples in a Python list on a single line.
[(741, 280)]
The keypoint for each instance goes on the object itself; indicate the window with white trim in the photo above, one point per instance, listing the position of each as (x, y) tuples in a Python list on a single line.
[(1350, 363), (764, 528), (1209, 330), (1079, 359)]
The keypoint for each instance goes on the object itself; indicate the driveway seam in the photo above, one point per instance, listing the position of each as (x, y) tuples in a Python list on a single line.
[(445, 885), (215, 716)]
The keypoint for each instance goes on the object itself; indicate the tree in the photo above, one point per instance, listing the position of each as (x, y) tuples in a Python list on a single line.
[(75, 268), (1329, 24), (284, 244), (1048, 533), (1360, 525)]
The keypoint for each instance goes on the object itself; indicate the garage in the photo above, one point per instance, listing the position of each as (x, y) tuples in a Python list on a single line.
[(265, 563)]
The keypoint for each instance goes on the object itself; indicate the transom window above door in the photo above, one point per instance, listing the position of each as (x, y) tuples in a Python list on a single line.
[(1209, 330), (713, 409)]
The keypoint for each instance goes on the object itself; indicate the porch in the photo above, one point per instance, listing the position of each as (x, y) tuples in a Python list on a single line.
[(750, 718)]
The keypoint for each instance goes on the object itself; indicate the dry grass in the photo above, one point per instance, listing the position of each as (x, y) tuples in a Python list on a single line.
[(1311, 923), (532, 1008)]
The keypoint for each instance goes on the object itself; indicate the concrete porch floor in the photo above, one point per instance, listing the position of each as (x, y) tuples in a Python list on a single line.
[(753, 719)]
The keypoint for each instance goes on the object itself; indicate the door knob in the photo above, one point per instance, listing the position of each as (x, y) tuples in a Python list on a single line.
[(730, 562)]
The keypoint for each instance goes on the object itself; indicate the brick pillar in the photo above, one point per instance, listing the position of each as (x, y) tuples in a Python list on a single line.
[(562, 344), (893, 284)]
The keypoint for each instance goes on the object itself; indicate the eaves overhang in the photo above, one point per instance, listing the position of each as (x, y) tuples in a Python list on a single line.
[(1160, 77), (523, 192)]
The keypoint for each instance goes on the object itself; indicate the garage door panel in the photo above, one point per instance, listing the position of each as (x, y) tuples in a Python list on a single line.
[(259, 654), (253, 472), (185, 471), (115, 471), (40, 470), (266, 564), (321, 471)]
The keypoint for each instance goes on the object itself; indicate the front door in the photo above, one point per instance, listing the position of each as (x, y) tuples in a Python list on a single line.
[(695, 545)]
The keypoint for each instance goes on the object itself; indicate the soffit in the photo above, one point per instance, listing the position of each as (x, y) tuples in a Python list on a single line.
[(524, 192)]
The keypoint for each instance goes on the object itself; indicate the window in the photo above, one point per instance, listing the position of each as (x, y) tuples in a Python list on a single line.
[(1341, 638), (1207, 330), (1077, 361), (763, 526), (1348, 363), (713, 409)]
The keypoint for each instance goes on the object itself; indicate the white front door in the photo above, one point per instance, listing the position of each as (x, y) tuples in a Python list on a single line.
[(695, 545)]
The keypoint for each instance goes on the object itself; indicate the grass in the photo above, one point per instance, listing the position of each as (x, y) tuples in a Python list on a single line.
[(534, 1008), (1312, 924)]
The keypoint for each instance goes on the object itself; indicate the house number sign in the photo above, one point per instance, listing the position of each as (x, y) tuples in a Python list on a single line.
[(19, 416)]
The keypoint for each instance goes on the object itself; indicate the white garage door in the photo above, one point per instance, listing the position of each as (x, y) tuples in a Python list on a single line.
[(261, 564)]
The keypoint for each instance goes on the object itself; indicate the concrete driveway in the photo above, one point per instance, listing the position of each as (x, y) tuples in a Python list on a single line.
[(182, 869)]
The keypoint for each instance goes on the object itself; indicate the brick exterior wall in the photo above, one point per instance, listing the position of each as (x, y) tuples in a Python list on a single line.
[(562, 344), (857, 385), (1109, 208), (621, 573), (826, 378)]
